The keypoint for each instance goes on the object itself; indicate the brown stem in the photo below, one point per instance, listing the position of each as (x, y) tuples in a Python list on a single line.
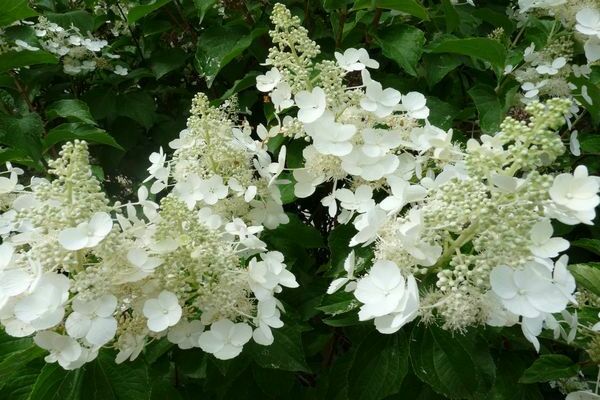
[(338, 39), (374, 24), (23, 92)]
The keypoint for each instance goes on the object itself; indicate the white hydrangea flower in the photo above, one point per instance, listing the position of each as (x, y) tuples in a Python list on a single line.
[(311, 105), (86, 234), (369, 168), (330, 137), (186, 334), (576, 194), (526, 5), (120, 70), (387, 297), (281, 96), (406, 311), (379, 101), (24, 45), (190, 190), (410, 235), (130, 346), (552, 68), (269, 213), (63, 349), (360, 200), (93, 320), (402, 194), (162, 312), (592, 49), (212, 190), (533, 89), (267, 317), (528, 291), (380, 290), (268, 81), (368, 225), (414, 104), (159, 170), (225, 339), (306, 183), (355, 60), (543, 244), (268, 275), (588, 21), (43, 307)]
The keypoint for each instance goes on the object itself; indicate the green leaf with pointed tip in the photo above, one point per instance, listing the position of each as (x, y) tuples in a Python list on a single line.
[(286, 352), (403, 44), (587, 275), (218, 46), (488, 106), (14, 10), (18, 59), (379, 367), (138, 12), (411, 7), (71, 109), (592, 245), (54, 383), (485, 49), (455, 365), (75, 130), (549, 367)]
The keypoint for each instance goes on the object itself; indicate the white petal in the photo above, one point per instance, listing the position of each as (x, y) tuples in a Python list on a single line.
[(73, 239)]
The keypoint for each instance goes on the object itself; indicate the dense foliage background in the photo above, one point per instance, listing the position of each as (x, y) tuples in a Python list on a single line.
[(172, 49)]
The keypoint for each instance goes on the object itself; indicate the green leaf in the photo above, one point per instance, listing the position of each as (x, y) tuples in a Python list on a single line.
[(457, 366), (82, 20), (203, 6), (411, 7), (441, 113), (482, 48), (331, 5), (218, 46), (17, 59), (24, 134), (587, 275), (437, 66), (294, 233), (403, 44), (137, 105), (138, 12), (248, 81), (286, 352), (338, 242), (106, 380), (592, 93), (379, 367), (488, 105), (75, 130), (510, 367), (338, 303), (71, 109), (344, 320), (14, 10), (549, 367), (166, 60), (592, 245), (590, 143), (54, 383), (451, 16)]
